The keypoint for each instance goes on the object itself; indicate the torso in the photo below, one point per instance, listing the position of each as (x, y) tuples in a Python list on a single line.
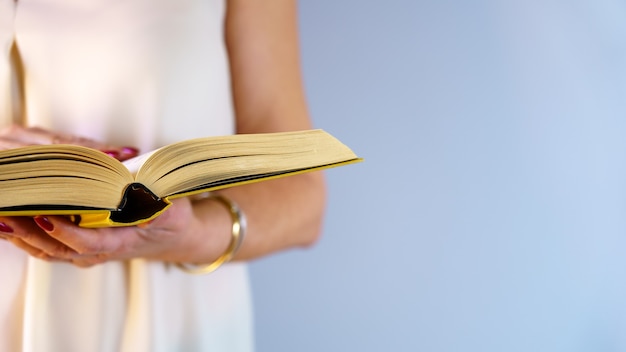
[(141, 73)]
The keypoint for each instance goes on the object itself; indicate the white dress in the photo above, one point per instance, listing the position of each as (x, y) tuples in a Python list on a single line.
[(139, 73)]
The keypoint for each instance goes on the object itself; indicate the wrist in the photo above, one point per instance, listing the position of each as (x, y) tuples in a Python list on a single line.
[(218, 236)]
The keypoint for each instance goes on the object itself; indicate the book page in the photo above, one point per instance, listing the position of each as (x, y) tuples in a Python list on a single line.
[(134, 164)]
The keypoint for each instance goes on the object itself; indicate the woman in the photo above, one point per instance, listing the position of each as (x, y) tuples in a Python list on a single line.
[(146, 73)]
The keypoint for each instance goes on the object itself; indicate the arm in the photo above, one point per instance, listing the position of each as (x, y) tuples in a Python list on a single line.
[(261, 38), (262, 43)]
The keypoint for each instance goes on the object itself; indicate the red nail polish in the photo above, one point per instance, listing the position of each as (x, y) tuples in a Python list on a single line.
[(5, 228), (112, 153), (130, 151), (44, 223)]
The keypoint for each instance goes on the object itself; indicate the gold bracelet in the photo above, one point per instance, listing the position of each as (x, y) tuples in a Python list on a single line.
[(238, 231)]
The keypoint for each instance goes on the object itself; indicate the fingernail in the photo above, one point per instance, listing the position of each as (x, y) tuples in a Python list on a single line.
[(112, 153), (5, 228), (130, 151), (44, 223)]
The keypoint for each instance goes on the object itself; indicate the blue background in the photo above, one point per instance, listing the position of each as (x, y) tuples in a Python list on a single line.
[(489, 214)]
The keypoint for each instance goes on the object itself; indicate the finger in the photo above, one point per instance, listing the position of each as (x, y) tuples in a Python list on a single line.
[(38, 135), (48, 137), (45, 252), (35, 252), (16, 135), (8, 143), (24, 233), (9, 234), (27, 135), (102, 244)]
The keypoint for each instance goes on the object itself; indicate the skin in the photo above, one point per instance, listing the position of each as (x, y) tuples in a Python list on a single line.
[(261, 38)]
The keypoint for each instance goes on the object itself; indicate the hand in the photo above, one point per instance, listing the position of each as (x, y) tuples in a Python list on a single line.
[(170, 237), (55, 238), (16, 136)]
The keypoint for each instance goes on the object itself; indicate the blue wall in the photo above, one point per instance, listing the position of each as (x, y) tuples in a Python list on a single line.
[(490, 212)]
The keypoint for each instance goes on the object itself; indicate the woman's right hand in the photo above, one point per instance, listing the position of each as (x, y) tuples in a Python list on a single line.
[(15, 136)]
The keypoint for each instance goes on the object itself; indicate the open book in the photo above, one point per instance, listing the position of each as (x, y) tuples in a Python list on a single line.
[(101, 191)]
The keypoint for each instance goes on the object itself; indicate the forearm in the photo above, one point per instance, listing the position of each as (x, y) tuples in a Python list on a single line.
[(282, 214), (261, 37)]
